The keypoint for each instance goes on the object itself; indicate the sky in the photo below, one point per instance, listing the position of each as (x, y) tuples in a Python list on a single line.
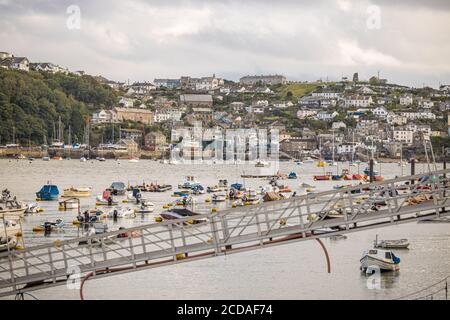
[(407, 41)]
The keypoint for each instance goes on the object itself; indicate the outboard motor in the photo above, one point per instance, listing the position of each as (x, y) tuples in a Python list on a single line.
[(115, 214)]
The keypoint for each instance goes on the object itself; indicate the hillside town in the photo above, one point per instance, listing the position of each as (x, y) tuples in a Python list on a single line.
[(340, 119)]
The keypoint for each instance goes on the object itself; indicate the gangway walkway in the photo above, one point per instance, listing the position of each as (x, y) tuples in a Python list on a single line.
[(301, 218)]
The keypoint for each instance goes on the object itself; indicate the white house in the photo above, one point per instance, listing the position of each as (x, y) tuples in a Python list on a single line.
[(161, 116), (366, 90), (426, 104), (346, 148), (403, 135), (126, 102), (302, 114), (419, 115), (358, 101), (325, 116), (395, 119), (338, 125), (327, 93), (20, 63), (104, 116), (406, 100), (380, 112)]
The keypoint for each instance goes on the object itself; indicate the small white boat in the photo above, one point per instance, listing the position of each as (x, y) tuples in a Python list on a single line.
[(12, 228), (7, 243), (146, 207), (122, 212), (69, 204), (133, 159), (308, 160), (391, 244), (83, 159), (219, 197), (385, 260), (77, 192), (33, 208), (261, 164)]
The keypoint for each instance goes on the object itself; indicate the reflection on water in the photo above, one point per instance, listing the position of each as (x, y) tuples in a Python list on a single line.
[(294, 271)]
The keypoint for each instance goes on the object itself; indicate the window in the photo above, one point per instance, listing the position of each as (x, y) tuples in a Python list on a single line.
[(373, 251), (388, 255)]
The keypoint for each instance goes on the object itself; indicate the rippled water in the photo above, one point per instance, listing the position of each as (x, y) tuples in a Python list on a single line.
[(294, 271)]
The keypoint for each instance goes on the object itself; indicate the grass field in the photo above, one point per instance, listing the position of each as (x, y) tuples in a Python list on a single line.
[(301, 89)]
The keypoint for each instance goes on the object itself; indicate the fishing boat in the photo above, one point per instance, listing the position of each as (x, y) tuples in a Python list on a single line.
[(45, 159), (357, 176), (292, 175), (77, 192), (188, 183), (122, 212), (69, 204), (117, 188), (198, 189), (251, 197), (7, 243), (48, 192), (385, 260), (145, 207), (219, 197), (391, 244)]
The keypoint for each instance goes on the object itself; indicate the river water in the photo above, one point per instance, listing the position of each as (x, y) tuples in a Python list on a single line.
[(294, 271)]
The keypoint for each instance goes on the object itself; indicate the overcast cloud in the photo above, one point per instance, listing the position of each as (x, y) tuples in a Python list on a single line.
[(304, 40)]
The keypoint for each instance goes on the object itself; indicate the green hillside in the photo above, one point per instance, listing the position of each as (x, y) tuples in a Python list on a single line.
[(32, 103)]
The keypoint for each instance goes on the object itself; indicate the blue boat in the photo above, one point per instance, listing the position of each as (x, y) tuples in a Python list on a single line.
[(367, 172), (48, 192), (292, 175), (237, 186), (336, 178)]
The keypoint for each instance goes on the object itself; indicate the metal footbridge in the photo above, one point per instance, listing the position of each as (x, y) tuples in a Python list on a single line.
[(301, 218)]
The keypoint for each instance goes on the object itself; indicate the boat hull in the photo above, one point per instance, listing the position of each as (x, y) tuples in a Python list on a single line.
[(16, 212), (368, 261)]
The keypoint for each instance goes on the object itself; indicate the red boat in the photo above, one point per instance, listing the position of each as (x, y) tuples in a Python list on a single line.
[(358, 177), (347, 177), (321, 178)]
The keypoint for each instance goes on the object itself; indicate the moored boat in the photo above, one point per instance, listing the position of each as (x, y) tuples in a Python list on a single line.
[(385, 260), (391, 244), (77, 192), (69, 204), (122, 212), (292, 175), (117, 188), (322, 178), (219, 197), (48, 192)]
